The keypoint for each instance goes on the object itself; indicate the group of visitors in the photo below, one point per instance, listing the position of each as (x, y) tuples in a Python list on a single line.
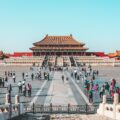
[(92, 89), (85, 75), (46, 76), (106, 88), (7, 75), (2, 82), (23, 88)]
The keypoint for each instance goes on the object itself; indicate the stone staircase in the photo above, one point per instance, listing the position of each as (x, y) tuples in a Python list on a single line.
[(45, 62), (73, 63), (60, 117), (78, 117)]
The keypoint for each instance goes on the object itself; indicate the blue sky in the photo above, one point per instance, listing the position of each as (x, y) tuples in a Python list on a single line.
[(94, 22)]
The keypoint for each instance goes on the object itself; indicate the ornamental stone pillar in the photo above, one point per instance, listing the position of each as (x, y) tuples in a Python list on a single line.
[(116, 99), (17, 99), (7, 99), (104, 99), (101, 108), (115, 103)]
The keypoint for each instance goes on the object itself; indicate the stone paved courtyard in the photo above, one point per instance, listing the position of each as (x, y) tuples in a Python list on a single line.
[(55, 91)]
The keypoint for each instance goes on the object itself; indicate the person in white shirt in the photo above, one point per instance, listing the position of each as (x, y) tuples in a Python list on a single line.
[(14, 78), (20, 86)]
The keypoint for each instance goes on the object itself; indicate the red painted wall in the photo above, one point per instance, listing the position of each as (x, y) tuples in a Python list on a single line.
[(100, 54), (20, 54)]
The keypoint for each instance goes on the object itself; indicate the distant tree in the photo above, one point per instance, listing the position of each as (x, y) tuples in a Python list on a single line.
[(3, 55)]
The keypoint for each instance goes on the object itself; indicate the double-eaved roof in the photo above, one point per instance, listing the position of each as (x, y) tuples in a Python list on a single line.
[(59, 42)]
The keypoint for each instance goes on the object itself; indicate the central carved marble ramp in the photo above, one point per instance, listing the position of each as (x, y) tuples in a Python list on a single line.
[(60, 92)]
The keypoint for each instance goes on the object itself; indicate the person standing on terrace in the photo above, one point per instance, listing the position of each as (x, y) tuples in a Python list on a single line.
[(14, 78), (23, 75), (113, 83), (32, 76), (63, 78)]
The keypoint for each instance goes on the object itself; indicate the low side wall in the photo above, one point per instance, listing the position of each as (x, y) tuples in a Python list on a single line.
[(110, 110), (15, 111)]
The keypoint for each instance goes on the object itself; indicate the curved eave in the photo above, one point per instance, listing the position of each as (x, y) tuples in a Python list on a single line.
[(58, 48), (37, 44), (31, 48), (85, 48)]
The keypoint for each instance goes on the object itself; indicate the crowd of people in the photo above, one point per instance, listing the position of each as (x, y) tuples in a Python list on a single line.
[(24, 85), (87, 77), (85, 74)]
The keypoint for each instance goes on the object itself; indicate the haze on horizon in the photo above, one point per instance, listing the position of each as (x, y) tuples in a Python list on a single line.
[(94, 22)]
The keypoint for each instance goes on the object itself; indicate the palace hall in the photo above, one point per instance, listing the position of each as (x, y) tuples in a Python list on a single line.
[(59, 45)]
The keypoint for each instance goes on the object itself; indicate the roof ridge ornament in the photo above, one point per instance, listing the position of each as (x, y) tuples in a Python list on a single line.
[(70, 35)]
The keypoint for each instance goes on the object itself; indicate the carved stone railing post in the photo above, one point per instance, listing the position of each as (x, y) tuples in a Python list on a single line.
[(17, 104), (103, 103), (7, 99), (104, 99), (116, 101), (101, 108), (17, 99)]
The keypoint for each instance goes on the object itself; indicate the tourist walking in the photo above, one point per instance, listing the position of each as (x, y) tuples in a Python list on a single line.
[(14, 78), (9, 88), (102, 91), (96, 87), (26, 75), (24, 90), (67, 78), (91, 84), (113, 83), (48, 76), (90, 96), (63, 78), (86, 86), (75, 74), (6, 78), (3, 82), (5, 73), (32, 76), (23, 75), (97, 72), (107, 86), (29, 89), (20, 86)]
